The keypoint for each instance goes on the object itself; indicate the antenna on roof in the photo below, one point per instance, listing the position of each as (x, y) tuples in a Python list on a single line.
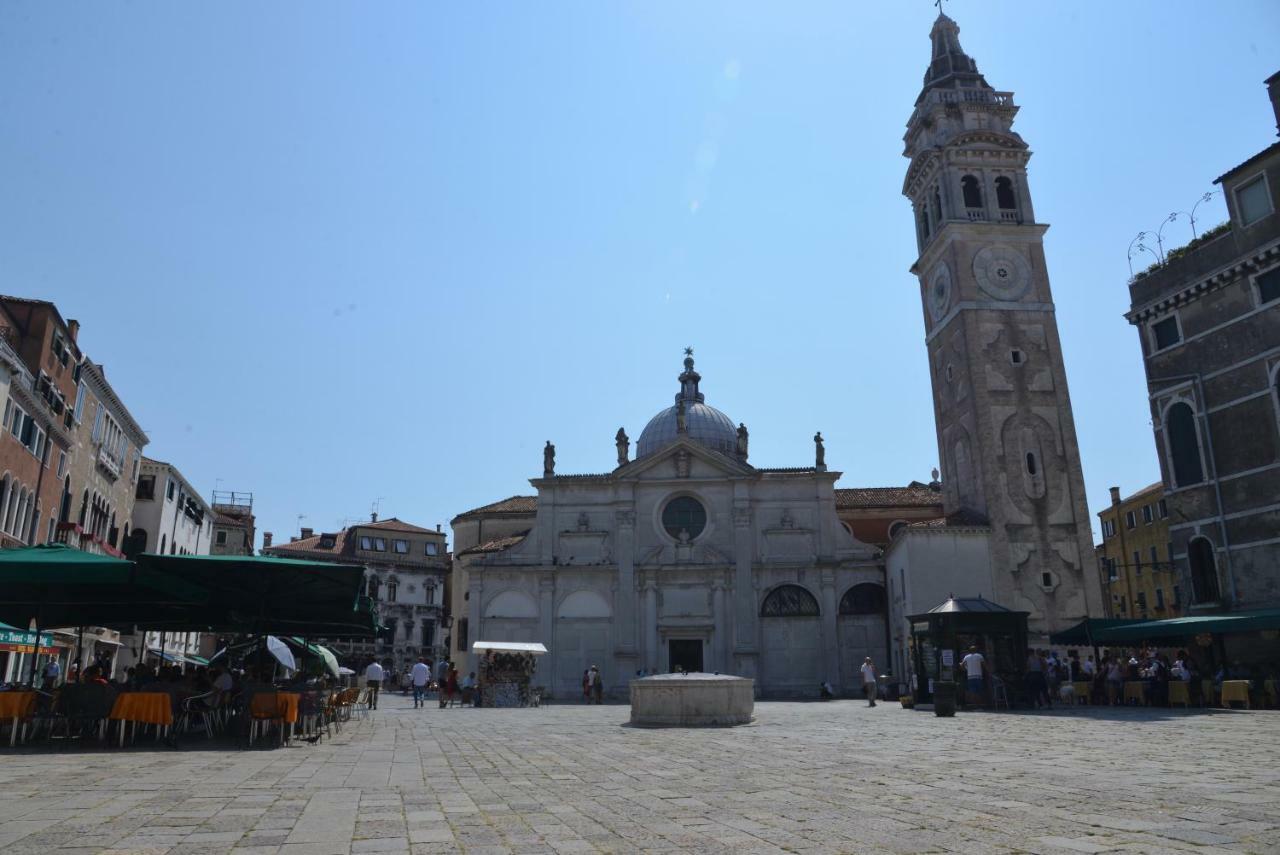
[(301, 517), (373, 509)]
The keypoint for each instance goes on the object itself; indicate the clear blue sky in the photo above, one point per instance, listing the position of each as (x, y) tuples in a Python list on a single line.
[(333, 253)]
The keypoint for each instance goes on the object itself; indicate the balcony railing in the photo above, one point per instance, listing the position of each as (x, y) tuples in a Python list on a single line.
[(1009, 216), (976, 213), (108, 463), (971, 96)]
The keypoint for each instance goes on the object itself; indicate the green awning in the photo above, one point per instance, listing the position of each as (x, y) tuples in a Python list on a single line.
[(59, 586), (1186, 627), (1086, 631)]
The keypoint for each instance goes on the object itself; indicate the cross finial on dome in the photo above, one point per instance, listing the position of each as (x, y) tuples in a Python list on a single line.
[(688, 351)]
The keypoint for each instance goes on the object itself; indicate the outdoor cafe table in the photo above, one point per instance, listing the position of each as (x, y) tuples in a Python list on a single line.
[(1235, 690), (143, 707), (281, 705), (17, 706)]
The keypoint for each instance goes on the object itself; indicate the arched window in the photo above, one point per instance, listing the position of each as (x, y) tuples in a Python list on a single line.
[(84, 506), (1031, 463), (895, 527), (865, 599), (163, 540), (1204, 570), (684, 518), (789, 601), (1184, 447), (937, 206), (392, 587), (924, 222), (64, 511), (972, 192), (1004, 194)]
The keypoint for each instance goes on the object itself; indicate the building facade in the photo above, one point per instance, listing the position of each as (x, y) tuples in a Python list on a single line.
[(233, 524), (39, 364), (686, 556), (1006, 433), (405, 571), (1208, 320), (1135, 559)]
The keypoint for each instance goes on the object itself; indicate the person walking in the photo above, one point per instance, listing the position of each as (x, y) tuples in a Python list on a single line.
[(420, 675), (373, 677), (975, 667), (586, 686), (869, 681), (597, 685)]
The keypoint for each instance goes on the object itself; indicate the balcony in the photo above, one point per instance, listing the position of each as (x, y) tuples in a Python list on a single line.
[(975, 214), (107, 463), (1009, 216), (77, 538), (971, 96)]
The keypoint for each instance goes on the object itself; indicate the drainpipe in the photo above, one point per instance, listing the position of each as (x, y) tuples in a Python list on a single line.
[(1217, 485)]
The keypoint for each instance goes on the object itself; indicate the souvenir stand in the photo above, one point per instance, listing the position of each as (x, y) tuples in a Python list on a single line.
[(505, 673)]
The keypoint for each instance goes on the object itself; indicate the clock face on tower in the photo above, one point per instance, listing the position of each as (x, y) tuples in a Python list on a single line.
[(939, 291), (1002, 272)]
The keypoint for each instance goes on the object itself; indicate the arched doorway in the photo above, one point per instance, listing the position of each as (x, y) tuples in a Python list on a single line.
[(1204, 571), (861, 628), (790, 642)]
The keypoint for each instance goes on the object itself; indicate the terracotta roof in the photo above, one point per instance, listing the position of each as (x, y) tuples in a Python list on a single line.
[(394, 524), (963, 518), (509, 505), (222, 519), (309, 547), (914, 495), (1271, 149), (498, 545)]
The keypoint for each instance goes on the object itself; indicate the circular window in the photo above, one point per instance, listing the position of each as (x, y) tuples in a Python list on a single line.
[(684, 518)]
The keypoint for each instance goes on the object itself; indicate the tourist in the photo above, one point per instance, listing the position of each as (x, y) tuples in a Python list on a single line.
[(373, 676), (52, 671), (975, 666), (869, 681), (1115, 681), (1037, 688), (586, 686), (73, 673), (420, 675), (597, 685)]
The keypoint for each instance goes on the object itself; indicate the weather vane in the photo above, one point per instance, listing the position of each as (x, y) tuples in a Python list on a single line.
[(938, 3)]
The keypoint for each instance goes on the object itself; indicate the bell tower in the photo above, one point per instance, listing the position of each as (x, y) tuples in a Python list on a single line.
[(1006, 435)]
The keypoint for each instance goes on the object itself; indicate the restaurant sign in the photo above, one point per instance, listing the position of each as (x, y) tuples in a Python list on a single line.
[(22, 641)]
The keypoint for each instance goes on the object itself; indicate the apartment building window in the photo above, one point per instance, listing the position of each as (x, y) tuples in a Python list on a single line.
[(1155, 557), (168, 493), (366, 542), (1159, 598), (1130, 520), (379, 544), (146, 488), (78, 410), (221, 538), (1253, 202), (1137, 562), (1123, 606), (1165, 333), (1142, 600), (432, 548), (1108, 528), (400, 546), (15, 423), (62, 463), (1163, 507), (392, 588), (1147, 516)]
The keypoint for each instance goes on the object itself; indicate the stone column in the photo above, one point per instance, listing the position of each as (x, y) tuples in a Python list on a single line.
[(650, 630), (624, 553), (474, 629), (547, 609), (830, 634), (744, 590), (720, 661)]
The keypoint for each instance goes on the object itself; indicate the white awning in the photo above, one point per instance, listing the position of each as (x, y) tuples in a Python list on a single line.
[(511, 647)]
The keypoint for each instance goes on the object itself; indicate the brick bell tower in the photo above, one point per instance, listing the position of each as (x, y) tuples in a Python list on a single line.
[(1006, 435)]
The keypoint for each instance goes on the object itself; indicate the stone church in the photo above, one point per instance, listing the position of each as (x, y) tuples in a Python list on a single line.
[(689, 556)]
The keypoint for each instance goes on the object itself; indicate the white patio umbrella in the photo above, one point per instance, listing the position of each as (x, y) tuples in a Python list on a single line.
[(330, 660), (281, 652), (344, 671)]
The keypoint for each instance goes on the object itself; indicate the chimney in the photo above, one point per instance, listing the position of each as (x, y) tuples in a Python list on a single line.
[(73, 326), (306, 532), (1273, 90), (437, 526), (1115, 495), (266, 539), (373, 517)]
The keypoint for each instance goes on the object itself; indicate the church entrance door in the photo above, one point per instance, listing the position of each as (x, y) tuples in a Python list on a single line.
[(684, 654)]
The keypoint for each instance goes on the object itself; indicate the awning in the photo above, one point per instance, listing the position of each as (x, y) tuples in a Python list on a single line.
[(511, 647), (1086, 631), (1185, 627)]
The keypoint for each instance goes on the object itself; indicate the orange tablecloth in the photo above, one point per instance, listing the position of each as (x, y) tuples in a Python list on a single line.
[(1235, 690), (16, 704), (283, 705), (145, 707)]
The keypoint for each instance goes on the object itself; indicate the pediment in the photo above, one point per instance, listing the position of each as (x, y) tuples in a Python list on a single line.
[(683, 458)]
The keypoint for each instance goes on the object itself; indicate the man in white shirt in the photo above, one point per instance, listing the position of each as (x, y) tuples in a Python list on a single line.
[(869, 681), (420, 674), (373, 676), (974, 666)]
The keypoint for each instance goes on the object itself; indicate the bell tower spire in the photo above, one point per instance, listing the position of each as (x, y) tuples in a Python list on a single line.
[(1006, 434)]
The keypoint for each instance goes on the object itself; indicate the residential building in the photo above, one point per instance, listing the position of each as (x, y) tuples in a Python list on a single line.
[(233, 523), (405, 571), (98, 491), (1006, 434), (1208, 322), (39, 363), (169, 518), (1134, 558)]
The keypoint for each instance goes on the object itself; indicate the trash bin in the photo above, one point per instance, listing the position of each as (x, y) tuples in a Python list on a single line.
[(944, 698)]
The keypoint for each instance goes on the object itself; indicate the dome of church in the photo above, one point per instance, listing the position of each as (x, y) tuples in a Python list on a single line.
[(703, 424)]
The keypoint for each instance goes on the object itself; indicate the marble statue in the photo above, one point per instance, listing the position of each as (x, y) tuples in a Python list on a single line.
[(819, 452), (548, 460), (742, 441), (681, 422), (624, 446)]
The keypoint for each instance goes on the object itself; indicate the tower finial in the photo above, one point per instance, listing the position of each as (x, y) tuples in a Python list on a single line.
[(689, 381)]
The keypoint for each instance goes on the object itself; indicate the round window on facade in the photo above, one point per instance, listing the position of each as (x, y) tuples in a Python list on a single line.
[(684, 518)]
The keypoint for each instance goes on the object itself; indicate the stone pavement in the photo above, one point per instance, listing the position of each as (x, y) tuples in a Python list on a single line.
[(833, 777)]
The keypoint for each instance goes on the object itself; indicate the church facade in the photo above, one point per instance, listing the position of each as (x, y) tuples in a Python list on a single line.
[(685, 557)]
